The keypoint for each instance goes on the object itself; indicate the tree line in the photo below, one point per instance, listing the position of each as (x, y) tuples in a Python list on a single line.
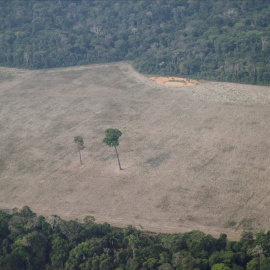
[(28, 241), (214, 40)]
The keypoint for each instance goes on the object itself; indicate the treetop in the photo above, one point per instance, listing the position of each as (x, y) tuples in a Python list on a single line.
[(112, 137), (79, 141)]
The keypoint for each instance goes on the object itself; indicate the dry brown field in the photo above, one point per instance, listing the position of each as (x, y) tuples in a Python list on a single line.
[(194, 157)]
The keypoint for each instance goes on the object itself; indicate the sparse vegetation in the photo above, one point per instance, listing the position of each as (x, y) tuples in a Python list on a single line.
[(246, 223), (80, 145), (230, 223)]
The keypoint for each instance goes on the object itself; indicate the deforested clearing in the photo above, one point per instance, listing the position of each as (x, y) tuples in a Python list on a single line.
[(193, 157)]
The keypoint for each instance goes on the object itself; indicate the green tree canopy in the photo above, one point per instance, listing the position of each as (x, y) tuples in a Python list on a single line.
[(112, 139), (31, 242), (216, 40), (220, 266)]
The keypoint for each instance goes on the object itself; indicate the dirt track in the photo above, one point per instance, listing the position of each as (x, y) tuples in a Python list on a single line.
[(194, 157)]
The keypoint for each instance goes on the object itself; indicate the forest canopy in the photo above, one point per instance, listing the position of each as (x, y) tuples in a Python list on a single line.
[(28, 241), (213, 40)]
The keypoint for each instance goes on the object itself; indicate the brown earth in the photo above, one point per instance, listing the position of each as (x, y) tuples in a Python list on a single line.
[(174, 81), (194, 157)]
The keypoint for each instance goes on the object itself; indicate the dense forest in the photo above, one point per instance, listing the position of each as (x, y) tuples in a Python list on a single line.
[(28, 241), (213, 40)]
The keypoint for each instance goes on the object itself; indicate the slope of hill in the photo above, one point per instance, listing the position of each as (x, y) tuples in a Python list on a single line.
[(194, 157), (216, 40)]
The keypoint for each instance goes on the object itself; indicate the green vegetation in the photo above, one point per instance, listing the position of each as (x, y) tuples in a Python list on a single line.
[(214, 40), (28, 241), (80, 145), (112, 139)]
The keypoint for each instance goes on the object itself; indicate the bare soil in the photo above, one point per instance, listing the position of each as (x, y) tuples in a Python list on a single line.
[(194, 157), (174, 81)]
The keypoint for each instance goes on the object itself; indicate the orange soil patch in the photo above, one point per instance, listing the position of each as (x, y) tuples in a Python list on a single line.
[(174, 81)]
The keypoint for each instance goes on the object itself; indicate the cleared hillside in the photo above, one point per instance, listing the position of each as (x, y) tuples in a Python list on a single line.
[(194, 157)]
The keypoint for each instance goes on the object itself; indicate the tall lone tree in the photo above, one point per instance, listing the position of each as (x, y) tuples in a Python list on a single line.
[(80, 145), (111, 139)]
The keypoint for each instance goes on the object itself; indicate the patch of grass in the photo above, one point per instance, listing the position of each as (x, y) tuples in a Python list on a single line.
[(164, 203), (246, 223), (230, 224)]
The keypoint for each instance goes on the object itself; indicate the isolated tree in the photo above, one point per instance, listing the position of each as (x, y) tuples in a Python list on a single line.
[(80, 145), (111, 139)]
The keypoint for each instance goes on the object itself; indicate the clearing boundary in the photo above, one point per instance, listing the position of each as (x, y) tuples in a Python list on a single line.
[(194, 157)]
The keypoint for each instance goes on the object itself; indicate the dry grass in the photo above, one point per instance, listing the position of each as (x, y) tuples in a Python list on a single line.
[(194, 157)]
